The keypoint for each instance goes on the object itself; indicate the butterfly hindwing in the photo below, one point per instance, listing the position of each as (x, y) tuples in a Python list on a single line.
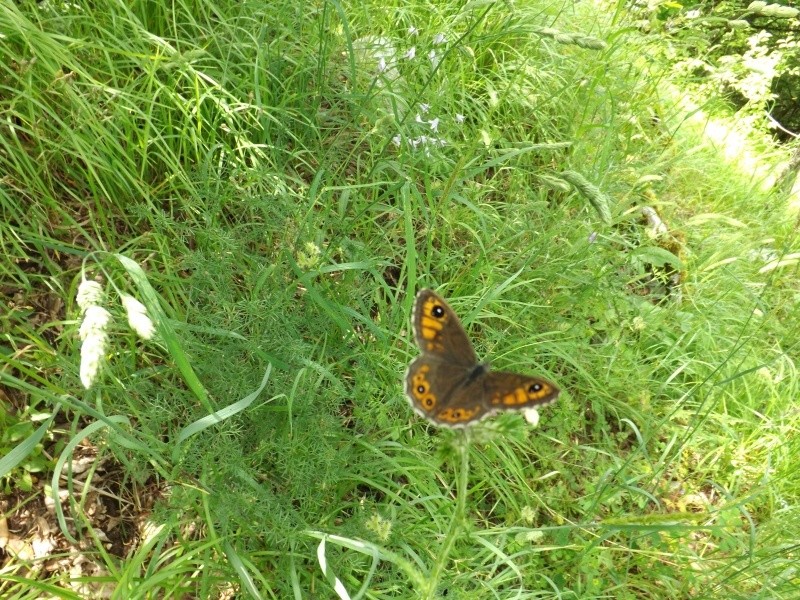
[(512, 391), (431, 383)]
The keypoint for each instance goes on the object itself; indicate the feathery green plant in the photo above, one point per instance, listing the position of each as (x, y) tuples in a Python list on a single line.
[(276, 183)]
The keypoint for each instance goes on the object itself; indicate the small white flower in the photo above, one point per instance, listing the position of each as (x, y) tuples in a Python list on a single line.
[(434, 125), (137, 317), (531, 416), (439, 38), (90, 293), (424, 108), (94, 336), (382, 65), (419, 118), (692, 14), (397, 139), (432, 55), (460, 118), (411, 53), (413, 30)]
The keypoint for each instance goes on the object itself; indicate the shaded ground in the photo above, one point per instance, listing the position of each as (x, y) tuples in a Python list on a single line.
[(104, 511)]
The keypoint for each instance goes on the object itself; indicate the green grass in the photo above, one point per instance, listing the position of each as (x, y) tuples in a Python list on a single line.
[(242, 155)]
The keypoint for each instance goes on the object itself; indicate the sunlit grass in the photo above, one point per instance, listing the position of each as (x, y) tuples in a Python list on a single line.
[(281, 182)]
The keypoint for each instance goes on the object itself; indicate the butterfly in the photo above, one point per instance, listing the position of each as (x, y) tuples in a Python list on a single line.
[(447, 385)]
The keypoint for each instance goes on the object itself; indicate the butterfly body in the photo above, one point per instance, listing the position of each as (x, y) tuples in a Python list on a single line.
[(447, 384)]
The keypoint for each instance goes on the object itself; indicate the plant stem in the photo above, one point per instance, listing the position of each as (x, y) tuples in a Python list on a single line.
[(456, 525)]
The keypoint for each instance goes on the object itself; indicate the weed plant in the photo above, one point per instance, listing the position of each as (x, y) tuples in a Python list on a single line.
[(274, 182)]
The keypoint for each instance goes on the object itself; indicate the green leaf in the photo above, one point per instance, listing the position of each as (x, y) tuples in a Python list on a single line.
[(20, 452), (655, 255), (151, 300), (220, 415)]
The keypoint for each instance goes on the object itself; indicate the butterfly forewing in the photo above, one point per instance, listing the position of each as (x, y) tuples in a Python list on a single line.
[(438, 331)]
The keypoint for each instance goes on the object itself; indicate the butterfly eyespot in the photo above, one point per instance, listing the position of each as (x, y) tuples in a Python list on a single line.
[(421, 389), (437, 311), (428, 402), (535, 388)]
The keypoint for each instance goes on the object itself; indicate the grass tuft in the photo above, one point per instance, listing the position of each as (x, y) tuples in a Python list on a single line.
[(271, 185)]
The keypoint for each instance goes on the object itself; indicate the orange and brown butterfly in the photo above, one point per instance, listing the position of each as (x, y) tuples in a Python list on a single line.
[(447, 384)]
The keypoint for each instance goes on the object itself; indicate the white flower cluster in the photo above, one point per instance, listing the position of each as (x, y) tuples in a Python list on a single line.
[(93, 331), (425, 141), (388, 58)]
